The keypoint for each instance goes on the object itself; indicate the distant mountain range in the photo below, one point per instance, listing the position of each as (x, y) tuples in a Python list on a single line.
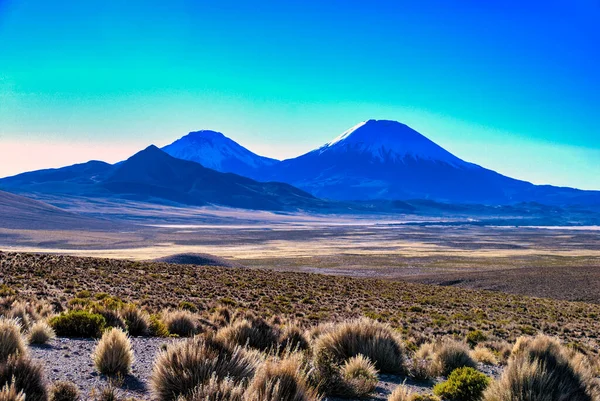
[(374, 161), (378, 159), (154, 176)]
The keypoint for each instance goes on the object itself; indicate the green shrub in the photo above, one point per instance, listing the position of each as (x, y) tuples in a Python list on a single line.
[(83, 294), (78, 323), (156, 327), (475, 337), (186, 305), (463, 384)]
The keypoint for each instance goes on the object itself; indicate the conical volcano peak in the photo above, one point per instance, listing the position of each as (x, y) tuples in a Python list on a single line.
[(387, 140), (214, 150)]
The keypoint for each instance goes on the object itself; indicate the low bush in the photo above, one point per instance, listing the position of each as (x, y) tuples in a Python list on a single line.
[(360, 376), (27, 377), (40, 333), (78, 323), (11, 341), (64, 391), (281, 380), (541, 368), (191, 363), (474, 337), (156, 327), (463, 384), (113, 354)]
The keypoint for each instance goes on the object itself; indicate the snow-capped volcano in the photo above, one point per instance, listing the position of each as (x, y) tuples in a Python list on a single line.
[(389, 141), (381, 159), (214, 150)]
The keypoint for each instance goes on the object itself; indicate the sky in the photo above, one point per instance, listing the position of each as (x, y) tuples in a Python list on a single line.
[(513, 86)]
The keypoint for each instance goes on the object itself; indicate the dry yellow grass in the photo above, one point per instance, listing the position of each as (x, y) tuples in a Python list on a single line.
[(113, 354)]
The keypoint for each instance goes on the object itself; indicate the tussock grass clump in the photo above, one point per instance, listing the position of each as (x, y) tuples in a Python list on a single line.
[(465, 384), (444, 356), (419, 368), (78, 323), (257, 334), (293, 338), (403, 393), (111, 316), (217, 390), (11, 341), (541, 368), (40, 333), (27, 377), (222, 316), (360, 376), (136, 321), (113, 354), (9, 393), (283, 380), (374, 340), (484, 355), (64, 391), (181, 322), (20, 311), (191, 363)]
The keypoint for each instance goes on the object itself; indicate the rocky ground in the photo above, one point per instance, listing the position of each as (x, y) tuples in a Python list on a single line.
[(70, 359)]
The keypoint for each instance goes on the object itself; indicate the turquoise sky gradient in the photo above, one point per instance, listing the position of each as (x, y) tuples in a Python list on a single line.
[(513, 87)]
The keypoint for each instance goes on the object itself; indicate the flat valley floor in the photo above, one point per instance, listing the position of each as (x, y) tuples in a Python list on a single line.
[(558, 262)]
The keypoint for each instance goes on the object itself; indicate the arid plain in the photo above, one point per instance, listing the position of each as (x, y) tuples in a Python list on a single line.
[(554, 262)]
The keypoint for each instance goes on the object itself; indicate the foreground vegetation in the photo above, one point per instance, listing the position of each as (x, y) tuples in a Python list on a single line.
[(253, 335)]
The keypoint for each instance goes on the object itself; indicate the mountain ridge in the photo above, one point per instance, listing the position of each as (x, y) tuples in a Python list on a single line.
[(373, 160)]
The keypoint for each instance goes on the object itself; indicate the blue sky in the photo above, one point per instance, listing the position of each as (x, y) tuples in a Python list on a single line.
[(513, 86)]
